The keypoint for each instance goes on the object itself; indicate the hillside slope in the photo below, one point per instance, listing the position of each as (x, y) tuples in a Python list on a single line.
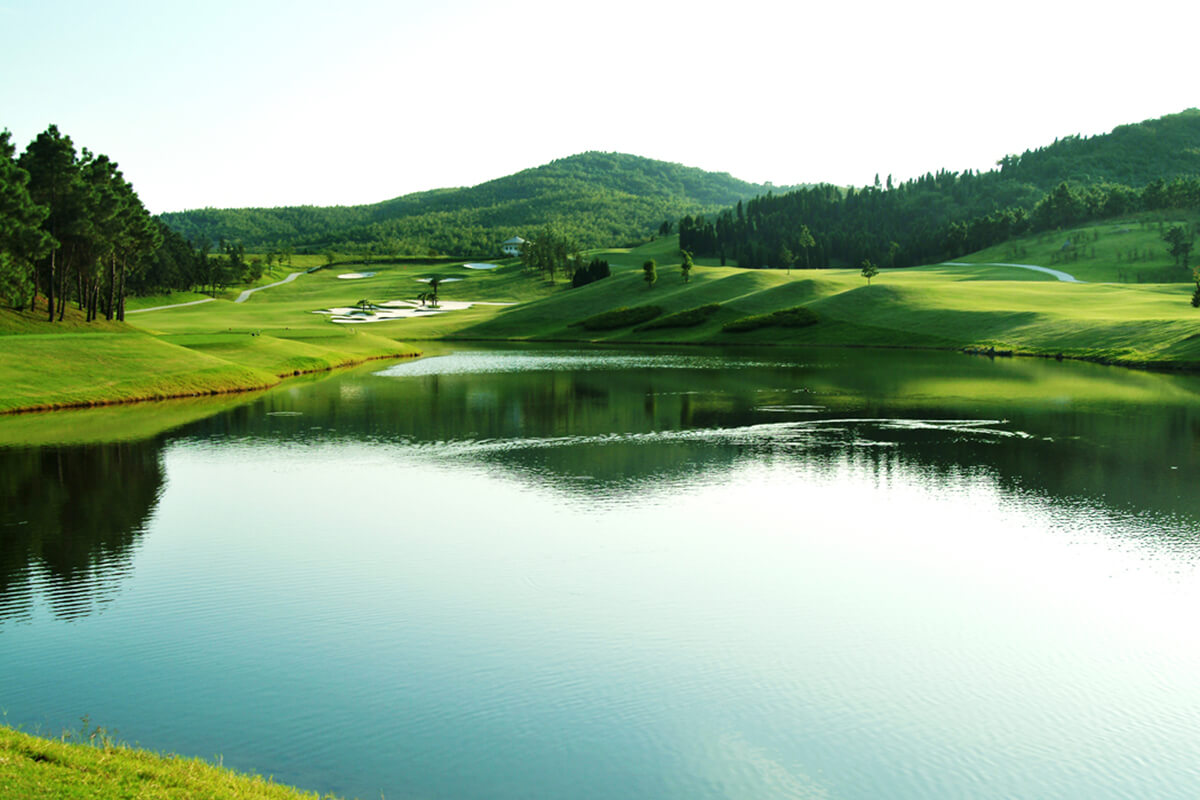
[(598, 198)]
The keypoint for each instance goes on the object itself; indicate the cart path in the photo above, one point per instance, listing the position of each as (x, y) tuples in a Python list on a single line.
[(1062, 276), (176, 305), (244, 296)]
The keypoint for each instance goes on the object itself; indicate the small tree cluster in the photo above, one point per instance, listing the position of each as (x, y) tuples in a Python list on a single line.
[(589, 273), (1179, 240), (549, 252)]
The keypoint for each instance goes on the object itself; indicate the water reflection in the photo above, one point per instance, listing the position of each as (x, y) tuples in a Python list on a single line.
[(845, 575), (600, 427), (69, 520)]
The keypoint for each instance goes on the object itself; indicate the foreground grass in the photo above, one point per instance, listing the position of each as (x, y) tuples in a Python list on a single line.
[(32, 768)]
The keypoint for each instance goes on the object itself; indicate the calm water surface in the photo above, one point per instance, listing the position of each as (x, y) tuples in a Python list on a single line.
[(550, 573)]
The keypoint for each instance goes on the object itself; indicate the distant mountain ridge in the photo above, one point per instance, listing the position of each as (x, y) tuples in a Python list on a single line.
[(596, 198)]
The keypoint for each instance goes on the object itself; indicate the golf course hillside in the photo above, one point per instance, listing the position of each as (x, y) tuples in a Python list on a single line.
[(1107, 292), (598, 198), (182, 350), (986, 302)]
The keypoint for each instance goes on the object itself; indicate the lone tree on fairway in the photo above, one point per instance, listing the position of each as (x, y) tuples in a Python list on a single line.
[(869, 270), (686, 267), (651, 273), (804, 240)]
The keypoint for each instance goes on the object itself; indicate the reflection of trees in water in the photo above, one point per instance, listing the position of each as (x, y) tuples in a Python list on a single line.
[(1101, 450), (69, 518)]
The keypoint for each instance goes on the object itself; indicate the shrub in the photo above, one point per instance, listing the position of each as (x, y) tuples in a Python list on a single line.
[(683, 319), (798, 317), (620, 318)]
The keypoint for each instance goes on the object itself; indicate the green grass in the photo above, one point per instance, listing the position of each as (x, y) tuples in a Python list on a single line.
[(619, 318), (938, 306), (66, 369), (156, 300), (796, 317), (1129, 250), (683, 319), (224, 346), (94, 768)]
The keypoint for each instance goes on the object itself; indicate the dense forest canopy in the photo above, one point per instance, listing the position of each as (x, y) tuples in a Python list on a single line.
[(1148, 166), (598, 199)]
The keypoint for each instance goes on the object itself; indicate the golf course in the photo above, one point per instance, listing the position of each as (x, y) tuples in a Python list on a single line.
[(986, 301)]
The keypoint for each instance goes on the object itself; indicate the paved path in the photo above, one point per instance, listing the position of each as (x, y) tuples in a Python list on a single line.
[(160, 308), (1062, 276), (244, 296)]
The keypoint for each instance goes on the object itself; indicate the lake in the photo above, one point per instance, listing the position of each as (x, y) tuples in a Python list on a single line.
[(548, 572)]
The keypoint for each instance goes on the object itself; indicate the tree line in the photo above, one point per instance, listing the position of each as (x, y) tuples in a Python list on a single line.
[(1148, 166), (934, 218), (72, 229)]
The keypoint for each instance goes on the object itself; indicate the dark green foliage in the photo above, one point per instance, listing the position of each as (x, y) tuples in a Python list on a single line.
[(650, 273), (594, 271), (798, 317), (868, 270), (99, 233), (683, 319), (686, 266), (1179, 241), (1153, 165), (22, 240), (620, 318), (550, 251), (597, 199), (1196, 296)]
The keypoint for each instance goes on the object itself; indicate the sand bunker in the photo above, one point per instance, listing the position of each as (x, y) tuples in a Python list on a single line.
[(399, 309), (349, 276)]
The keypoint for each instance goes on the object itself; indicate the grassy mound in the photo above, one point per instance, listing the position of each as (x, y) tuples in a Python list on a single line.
[(798, 317), (683, 319), (620, 318)]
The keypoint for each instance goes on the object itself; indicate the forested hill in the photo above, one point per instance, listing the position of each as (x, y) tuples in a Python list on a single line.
[(1153, 165), (597, 199), (1133, 155)]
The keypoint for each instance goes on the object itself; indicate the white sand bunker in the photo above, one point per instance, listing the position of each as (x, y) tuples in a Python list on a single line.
[(481, 266), (349, 276), (399, 309)]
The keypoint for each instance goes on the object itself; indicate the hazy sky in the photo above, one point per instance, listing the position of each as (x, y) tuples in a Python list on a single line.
[(225, 103)]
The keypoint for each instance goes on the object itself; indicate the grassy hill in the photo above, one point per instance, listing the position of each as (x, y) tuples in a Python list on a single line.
[(598, 198)]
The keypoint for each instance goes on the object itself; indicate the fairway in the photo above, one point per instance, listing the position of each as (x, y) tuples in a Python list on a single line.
[(242, 340)]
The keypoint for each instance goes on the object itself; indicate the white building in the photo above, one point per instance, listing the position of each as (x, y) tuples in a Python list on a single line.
[(512, 247)]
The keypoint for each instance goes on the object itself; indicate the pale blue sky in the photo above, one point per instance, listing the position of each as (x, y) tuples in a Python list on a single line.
[(284, 103)]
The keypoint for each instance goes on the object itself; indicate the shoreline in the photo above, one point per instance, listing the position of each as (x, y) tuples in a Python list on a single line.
[(150, 398), (1178, 367)]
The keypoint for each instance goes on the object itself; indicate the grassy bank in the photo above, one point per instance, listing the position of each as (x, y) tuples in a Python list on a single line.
[(32, 768), (227, 348), (222, 346)]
